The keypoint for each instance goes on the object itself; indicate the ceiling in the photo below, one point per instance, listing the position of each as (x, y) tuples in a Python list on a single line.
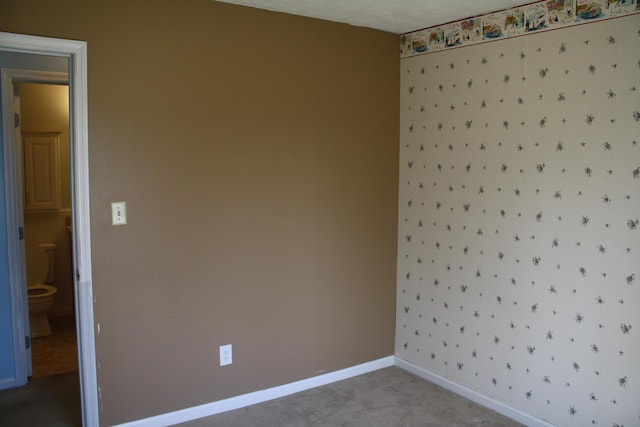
[(395, 16)]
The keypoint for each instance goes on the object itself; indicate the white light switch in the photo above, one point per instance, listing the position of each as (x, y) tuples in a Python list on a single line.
[(118, 213)]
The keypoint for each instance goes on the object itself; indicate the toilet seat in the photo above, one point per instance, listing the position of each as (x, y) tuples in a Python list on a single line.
[(40, 295), (41, 290)]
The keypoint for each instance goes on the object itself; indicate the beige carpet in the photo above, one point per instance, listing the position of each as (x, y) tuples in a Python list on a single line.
[(52, 401), (384, 398), (52, 395), (388, 397)]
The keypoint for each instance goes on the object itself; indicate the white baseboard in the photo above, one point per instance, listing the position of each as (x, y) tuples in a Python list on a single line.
[(253, 398), (472, 395), (7, 383)]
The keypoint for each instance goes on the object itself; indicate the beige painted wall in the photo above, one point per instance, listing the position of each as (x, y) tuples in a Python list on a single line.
[(257, 153), (45, 108)]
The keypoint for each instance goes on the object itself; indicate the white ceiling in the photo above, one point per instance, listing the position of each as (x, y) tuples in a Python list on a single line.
[(395, 16)]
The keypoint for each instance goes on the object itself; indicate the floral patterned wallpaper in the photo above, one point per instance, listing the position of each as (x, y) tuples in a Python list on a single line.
[(519, 221)]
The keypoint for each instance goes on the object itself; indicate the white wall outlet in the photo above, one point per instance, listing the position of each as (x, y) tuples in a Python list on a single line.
[(226, 355), (118, 213)]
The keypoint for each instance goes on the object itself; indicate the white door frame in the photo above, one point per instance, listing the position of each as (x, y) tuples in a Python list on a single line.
[(76, 52)]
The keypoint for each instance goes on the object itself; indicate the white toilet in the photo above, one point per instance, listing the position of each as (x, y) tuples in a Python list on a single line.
[(40, 274)]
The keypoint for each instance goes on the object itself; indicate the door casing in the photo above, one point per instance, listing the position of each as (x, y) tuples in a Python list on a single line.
[(76, 52)]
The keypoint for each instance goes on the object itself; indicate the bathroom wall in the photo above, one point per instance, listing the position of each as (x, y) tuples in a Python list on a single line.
[(45, 108), (519, 218), (257, 154)]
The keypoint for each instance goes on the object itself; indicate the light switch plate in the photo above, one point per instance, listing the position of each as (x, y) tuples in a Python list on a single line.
[(118, 213)]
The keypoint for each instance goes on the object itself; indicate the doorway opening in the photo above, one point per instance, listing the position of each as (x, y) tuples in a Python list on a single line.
[(46, 182), (75, 53)]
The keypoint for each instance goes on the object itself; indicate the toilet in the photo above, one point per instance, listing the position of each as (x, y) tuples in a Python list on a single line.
[(40, 275)]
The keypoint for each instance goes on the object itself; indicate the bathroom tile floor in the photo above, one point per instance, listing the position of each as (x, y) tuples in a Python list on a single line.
[(57, 353)]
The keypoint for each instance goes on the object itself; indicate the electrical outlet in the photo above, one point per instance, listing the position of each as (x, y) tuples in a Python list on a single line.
[(226, 355)]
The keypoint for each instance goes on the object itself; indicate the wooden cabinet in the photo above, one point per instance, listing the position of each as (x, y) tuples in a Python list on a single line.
[(41, 171)]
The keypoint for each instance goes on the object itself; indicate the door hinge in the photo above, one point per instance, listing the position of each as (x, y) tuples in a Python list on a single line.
[(20, 233), (16, 119), (27, 342)]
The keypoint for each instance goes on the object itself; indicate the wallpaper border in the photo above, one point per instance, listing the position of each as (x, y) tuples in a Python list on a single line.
[(534, 17)]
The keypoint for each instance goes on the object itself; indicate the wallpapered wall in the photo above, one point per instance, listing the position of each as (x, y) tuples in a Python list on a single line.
[(519, 233)]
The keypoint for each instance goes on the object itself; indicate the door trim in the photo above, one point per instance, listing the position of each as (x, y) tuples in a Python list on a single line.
[(76, 51)]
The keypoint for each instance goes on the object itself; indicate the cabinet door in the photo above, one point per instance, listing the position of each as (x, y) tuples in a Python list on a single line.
[(41, 175)]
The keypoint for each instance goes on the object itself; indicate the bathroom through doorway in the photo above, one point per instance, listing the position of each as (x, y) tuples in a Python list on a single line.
[(46, 182), (36, 49)]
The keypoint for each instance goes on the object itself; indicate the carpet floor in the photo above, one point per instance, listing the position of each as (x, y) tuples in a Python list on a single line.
[(388, 397), (52, 395), (52, 401)]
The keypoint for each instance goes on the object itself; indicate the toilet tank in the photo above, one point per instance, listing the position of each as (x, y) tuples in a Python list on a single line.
[(40, 259)]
